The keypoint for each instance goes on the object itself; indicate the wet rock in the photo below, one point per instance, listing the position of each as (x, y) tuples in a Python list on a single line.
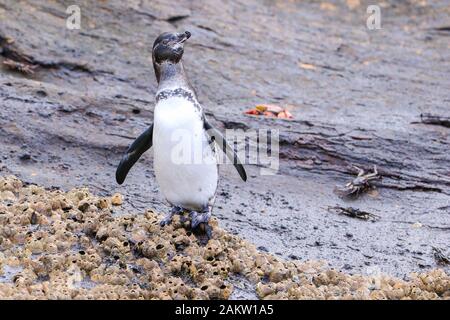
[(25, 157)]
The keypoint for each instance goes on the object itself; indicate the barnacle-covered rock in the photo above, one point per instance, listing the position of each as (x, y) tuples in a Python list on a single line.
[(213, 249), (69, 245), (10, 183), (175, 265), (88, 260), (278, 273), (83, 206), (265, 289), (7, 195), (211, 288), (238, 266)]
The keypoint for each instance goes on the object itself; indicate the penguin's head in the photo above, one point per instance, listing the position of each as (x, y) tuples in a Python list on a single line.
[(169, 47)]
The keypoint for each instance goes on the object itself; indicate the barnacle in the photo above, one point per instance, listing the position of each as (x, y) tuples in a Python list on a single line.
[(211, 288), (7, 196), (278, 273), (10, 183), (103, 203), (264, 290), (213, 249), (117, 199), (175, 265)]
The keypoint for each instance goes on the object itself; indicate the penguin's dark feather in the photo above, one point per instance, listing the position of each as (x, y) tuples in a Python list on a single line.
[(216, 136), (134, 152)]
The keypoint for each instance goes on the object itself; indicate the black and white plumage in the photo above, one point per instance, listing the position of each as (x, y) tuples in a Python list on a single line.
[(188, 182)]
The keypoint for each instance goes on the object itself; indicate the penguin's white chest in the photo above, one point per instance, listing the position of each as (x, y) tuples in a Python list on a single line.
[(185, 166)]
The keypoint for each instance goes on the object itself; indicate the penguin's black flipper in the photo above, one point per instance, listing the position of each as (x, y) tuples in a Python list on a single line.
[(216, 136), (134, 152)]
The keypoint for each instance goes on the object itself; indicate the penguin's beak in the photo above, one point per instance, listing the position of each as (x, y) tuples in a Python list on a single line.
[(184, 36)]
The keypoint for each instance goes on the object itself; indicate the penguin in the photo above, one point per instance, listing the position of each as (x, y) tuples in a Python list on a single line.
[(188, 182)]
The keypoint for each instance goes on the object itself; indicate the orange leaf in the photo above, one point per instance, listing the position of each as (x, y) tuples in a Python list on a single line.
[(306, 66)]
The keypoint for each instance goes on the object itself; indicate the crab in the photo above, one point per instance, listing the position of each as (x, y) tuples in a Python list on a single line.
[(440, 256), (19, 66), (355, 213), (360, 184)]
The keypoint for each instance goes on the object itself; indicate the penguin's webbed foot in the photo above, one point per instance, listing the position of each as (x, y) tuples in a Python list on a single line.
[(203, 232), (168, 218), (197, 218), (200, 225), (208, 231)]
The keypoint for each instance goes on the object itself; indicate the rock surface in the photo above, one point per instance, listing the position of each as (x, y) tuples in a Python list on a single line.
[(356, 94)]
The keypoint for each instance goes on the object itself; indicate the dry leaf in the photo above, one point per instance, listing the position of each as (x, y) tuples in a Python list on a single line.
[(352, 4), (306, 66), (252, 111), (261, 107), (288, 114), (269, 107), (270, 111), (327, 6), (282, 115), (285, 115), (269, 114)]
